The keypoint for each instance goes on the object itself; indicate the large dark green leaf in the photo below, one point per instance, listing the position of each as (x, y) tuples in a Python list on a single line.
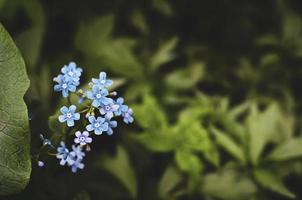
[(15, 165)]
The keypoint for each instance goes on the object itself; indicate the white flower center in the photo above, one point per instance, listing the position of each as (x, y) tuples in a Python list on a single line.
[(103, 81), (70, 73), (107, 108), (98, 96), (64, 86), (68, 115), (97, 125)]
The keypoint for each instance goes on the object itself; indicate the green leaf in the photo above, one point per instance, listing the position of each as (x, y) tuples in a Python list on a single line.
[(229, 145), (157, 141), (228, 184), (92, 35), (163, 6), (188, 162), (139, 21), (184, 79), (149, 115), (269, 180), (120, 167), (30, 41), (290, 149), (15, 163), (118, 56), (170, 179), (261, 128), (164, 54)]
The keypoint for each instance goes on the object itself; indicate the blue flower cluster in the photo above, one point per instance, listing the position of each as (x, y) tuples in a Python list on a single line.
[(99, 110), (69, 80)]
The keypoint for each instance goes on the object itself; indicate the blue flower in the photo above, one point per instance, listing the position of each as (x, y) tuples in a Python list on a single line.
[(40, 163), (122, 108), (77, 165), (82, 138), (72, 73), (111, 124), (98, 125), (79, 155), (98, 96), (64, 85), (65, 155), (108, 110), (78, 152), (69, 115), (128, 116), (102, 83)]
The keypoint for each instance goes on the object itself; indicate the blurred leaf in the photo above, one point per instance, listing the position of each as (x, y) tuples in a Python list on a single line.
[(228, 184), (269, 180), (30, 41), (157, 141), (120, 167), (170, 179), (229, 145), (267, 40), (188, 162), (184, 79), (139, 21), (92, 35), (15, 161), (149, 115), (164, 54), (118, 56), (83, 195), (289, 149), (261, 128), (54, 123), (163, 6)]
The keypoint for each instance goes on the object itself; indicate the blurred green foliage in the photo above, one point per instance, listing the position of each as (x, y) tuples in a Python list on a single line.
[(215, 87)]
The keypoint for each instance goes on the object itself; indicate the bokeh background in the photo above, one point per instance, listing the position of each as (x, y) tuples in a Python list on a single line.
[(215, 87)]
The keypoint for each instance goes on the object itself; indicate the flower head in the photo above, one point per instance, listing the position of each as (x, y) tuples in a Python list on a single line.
[(40, 163), (77, 165), (128, 116), (65, 155), (122, 108), (98, 125), (64, 85), (82, 138), (69, 115), (72, 73), (111, 124), (108, 110), (102, 82), (99, 96)]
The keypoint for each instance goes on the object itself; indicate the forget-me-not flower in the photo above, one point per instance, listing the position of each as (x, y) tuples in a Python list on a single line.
[(65, 155), (72, 73), (128, 116), (77, 165), (64, 85), (102, 82), (111, 124), (98, 125), (69, 115), (108, 110), (122, 108), (82, 138), (99, 96)]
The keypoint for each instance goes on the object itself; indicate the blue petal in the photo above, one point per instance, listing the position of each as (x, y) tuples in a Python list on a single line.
[(89, 127), (70, 123), (64, 109), (72, 108), (62, 118)]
